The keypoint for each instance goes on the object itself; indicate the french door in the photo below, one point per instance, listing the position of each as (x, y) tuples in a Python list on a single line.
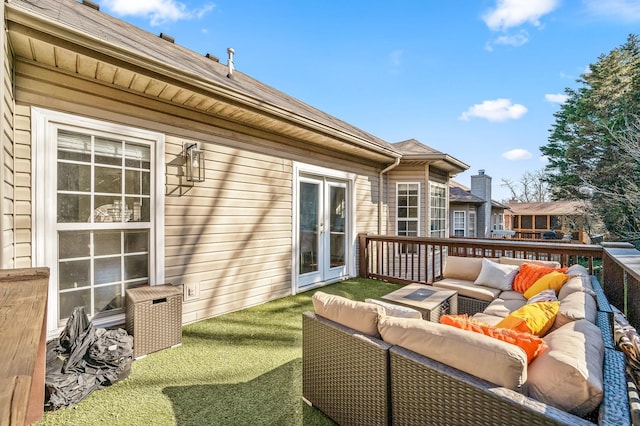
[(323, 222)]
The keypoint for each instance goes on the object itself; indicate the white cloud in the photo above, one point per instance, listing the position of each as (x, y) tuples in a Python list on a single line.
[(517, 154), (158, 11), (624, 10), (556, 98), (496, 110), (515, 40), (512, 13)]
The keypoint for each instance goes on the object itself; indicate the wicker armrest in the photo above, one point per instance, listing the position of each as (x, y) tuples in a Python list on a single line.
[(425, 391), (344, 373)]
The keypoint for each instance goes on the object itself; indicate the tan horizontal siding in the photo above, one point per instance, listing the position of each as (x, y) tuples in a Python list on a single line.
[(230, 235), (7, 151)]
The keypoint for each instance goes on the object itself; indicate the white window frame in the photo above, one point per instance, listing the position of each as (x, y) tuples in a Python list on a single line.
[(463, 228), (440, 232), (44, 214), (417, 219), (472, 224)]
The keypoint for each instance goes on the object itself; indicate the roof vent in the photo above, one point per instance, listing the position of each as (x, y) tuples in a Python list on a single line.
[(230, 51), (92, 5), (481, 172), (212, 57), (167, 37)]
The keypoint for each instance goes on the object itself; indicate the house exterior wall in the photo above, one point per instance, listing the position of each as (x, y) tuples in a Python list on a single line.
[(7, 172), (230, 235)]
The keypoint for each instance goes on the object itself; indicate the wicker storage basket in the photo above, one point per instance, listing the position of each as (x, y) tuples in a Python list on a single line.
[(154, 318)]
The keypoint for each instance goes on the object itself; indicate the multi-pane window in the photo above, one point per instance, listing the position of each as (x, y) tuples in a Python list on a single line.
[(498, 221), (458, 223), (438, 209), (408, 209), (472, 224), (103, 221)]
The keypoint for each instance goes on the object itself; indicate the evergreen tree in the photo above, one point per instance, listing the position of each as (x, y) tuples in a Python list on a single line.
[(586, 143)]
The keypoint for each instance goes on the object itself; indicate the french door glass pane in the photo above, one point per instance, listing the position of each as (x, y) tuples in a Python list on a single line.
[(309, 198), (337, 225)]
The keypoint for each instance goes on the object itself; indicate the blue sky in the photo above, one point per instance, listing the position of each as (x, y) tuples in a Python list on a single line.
[(477, 79)]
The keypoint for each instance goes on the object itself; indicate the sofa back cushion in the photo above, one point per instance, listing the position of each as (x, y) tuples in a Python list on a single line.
[(576, 306), (462, 268), (490, 359), (515, 261), (576, 283), (569, 374), (361, 316)]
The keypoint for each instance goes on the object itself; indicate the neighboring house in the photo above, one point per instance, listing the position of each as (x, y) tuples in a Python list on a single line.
[(103, 126), (418, 205), (550, 220), (472, 212)]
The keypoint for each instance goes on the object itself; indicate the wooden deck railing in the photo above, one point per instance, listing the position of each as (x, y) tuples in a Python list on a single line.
[(421, 259)]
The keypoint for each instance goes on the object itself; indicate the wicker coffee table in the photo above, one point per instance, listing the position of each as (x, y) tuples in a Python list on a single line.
[(430, 301)]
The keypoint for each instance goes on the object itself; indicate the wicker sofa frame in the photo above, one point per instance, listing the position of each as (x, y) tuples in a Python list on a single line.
[(357, 379)]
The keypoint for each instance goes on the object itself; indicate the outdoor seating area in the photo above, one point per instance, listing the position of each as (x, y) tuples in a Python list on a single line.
[(422, 372)]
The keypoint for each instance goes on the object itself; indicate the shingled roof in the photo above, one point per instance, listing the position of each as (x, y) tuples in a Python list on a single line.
[(79, 39), (415, 152)]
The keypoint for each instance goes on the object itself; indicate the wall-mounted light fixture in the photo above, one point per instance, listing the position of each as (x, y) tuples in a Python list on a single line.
[(194, 158)]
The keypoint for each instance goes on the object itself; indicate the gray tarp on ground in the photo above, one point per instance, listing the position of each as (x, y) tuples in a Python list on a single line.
[(83, 359)]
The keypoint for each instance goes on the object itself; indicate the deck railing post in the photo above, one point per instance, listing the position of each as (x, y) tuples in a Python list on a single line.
[(363, 251)]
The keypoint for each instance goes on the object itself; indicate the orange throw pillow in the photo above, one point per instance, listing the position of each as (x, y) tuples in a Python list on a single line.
[(529, 273), (535, 318), (530, 344)]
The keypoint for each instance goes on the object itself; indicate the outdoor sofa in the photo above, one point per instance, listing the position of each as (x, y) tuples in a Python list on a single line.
[(355, 375)]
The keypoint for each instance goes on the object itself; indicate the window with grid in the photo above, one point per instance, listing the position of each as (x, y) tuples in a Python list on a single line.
[(438, 209), (407, 213), (472, 224), (103, 219), (458, 223)]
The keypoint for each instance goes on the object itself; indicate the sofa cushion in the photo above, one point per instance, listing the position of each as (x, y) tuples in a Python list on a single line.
[(496, 361), (502, 308), (495, 275), (530, 344), (528, 274), (535, 318), (487, 319), (577, 269), (576, 306), (576, 283), (569, 374), (512, 295), (396, 310), (462, 268), (361, 316), (515, 261), (553, 280), (468, 289)]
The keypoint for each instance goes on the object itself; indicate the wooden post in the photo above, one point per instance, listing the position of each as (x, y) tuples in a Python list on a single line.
[(363, 265), (23, 319)]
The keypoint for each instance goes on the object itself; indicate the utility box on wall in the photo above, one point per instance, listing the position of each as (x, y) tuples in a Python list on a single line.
[(154, 318)]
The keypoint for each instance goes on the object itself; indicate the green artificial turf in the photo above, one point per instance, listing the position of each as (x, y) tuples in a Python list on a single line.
[(242, 368)]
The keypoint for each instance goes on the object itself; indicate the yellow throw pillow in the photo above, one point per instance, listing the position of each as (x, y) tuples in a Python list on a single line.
[(535, 318), (553, 280)]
